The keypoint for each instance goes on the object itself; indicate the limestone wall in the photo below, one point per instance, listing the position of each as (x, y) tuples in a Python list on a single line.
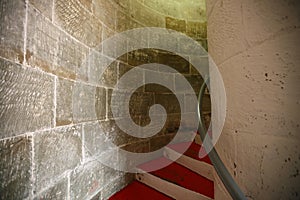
[(256, 47), (53, 100)]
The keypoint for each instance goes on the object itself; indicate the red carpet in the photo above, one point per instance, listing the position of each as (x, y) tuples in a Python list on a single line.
[(192, 151), (139, 191), (183, 177)]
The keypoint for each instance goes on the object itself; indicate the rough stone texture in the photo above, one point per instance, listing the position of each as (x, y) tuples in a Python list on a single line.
[(196, 29), (77, 21), (45, 7), (261, 76), (169, 102), (12, 29), (15, 167), (87, 180), (157, 143), (64, 97), (59, 191), (95, 139), (106, 12), (176, 24), (116, 186), (52, 50), (174, 61), (140, 103), (26, 99), (101, 72), (145, 16), (52, 158), (89, 103)]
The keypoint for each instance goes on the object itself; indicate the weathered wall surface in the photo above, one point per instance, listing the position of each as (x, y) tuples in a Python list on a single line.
[(53, 100), (256, 47)]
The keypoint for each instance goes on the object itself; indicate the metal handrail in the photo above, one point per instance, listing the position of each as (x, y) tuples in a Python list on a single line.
[(229, 183)]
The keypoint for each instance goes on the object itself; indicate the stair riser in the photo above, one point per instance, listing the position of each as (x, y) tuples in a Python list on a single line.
[(197, 166), (168, 188)]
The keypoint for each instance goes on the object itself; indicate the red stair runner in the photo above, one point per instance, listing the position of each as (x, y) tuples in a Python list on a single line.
[(139, 191), (183, 177), (192, 151)]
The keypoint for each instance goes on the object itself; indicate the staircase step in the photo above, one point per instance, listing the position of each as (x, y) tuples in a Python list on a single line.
[(189, 158), (192, 151), (177, 181), (138, 191)]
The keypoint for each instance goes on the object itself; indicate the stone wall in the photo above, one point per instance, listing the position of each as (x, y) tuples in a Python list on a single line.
[(53, 100), (256, 47)]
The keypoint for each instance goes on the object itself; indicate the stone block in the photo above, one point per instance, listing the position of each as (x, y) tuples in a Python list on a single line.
[(146, 16), (64, 100), (45, 7), (106, 12), (56, 151), (142, 56), (77, 21), (195, 82), (88, 179), (159, 142), (116, 135), (88, 4), (174, 61), (162, 82), (57, 192), (169, 102), (133, 80), (101, 72), (176, 24), (15, 168), (95, 140), (140, 147), (202, 64), (52, 50), (27, 99), (140, 103), (89, 103), (116, 185), (196, 30), (118, 104), (12, 29)]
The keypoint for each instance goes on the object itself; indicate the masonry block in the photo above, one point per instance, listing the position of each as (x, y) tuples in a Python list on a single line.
[(174, 61), (176, 24), (64, 100), (26, 99), (12, 29), (195, 82), (102, 70), (56, 151), (95, 140), (52, 50), (57, 192), (196, 29), (106, 12), (89, 102), (15, 168), (77, 21), (159, 142), (116, 185), (169, 102), (45, 7), (88, 179), (140, 103)]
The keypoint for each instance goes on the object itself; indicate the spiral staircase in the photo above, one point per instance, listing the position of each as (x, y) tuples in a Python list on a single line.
[(186, 176)]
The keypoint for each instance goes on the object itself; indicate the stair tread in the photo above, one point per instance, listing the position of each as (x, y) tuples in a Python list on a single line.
[(138, 191), (192, 151), (181, 176)]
